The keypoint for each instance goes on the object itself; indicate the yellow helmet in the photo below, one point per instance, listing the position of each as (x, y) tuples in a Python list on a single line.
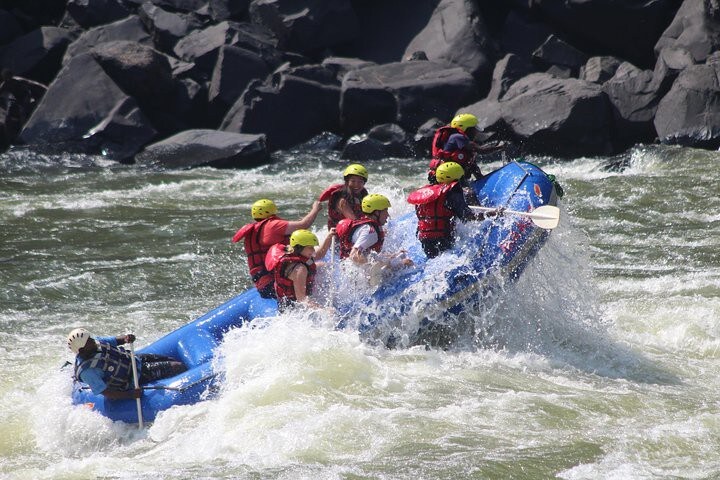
[(304, 238), (374, 202), (356, 169), (449, 172), (263, 209), (463, 121)]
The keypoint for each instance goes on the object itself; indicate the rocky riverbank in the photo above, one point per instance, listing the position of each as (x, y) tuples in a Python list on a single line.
[(226, 82)]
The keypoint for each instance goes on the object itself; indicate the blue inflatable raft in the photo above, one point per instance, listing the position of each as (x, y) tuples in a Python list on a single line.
[(400, 312)]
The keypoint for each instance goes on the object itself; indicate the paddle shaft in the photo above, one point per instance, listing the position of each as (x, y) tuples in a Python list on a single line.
[(331, 293), (137, 384), (545, 216)]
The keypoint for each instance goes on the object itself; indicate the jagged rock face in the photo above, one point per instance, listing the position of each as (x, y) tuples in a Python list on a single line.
[(565, 77)]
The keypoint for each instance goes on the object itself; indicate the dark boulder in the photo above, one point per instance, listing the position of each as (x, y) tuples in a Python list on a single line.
[(624, 28), (80, 99), (564, 117), (18, 98), (195, 148), (122, 133), (306, 27), (182, 6), (127, 29), (166, 28), (669, 64), (342, 65), (406, 93), (457, 35), (422, 141), (290, 107), (145, 74), (37, 55), (599, 69), (9, 27), (554, 51), (33, 14), (695, 28), (689, 114), (507, 71), (634, 96), (90, 13), (139, 70), (387, 28), (202, 47), (382, 141), (227, 9), (235, 68), (522, 35)]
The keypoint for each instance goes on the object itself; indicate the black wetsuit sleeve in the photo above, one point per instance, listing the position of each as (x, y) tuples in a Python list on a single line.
[(455, 202)]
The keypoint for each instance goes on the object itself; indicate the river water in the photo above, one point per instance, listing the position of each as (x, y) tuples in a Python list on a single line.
[(601, 361)]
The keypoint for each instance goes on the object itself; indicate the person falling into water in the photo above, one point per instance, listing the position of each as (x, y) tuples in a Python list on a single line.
[(107, 369)]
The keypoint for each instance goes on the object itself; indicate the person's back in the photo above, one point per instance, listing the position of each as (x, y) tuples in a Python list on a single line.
[(437, 206), (267, 230)]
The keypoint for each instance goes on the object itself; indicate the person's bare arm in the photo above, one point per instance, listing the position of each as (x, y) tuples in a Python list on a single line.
[(323, 249), (357, 256), (299, 279), (304, 222)]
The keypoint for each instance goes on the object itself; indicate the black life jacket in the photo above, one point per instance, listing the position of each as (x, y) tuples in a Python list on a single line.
[(113, 361)]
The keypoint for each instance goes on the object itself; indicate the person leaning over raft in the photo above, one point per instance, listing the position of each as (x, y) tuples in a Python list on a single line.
[(454, 143), (106, 367), (267, 230), (438, 205), (294, 267), (345, 199), (359, 238)]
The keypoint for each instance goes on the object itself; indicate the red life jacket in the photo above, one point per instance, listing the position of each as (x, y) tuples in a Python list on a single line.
[(279, 261), (256, 252), (435, 220), (333, 194), (464, 156), (347, 227)]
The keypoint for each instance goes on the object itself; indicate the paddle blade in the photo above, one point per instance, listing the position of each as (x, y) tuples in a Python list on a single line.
[(546, 216)]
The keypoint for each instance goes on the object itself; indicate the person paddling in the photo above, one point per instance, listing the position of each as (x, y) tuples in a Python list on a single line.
[(268, 230), (455, 143), (105, 366), (294, 268), (438, 205), (345, 199)]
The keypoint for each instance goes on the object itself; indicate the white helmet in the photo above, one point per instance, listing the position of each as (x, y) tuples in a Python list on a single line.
[(78, 339)]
